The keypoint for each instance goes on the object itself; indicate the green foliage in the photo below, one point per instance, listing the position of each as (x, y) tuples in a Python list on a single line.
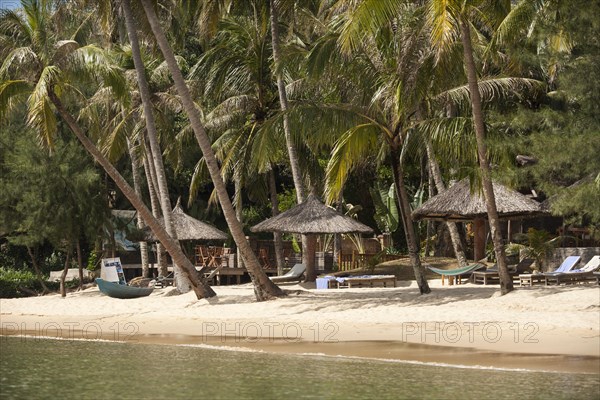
[(12, 282), (386, 211), (539, 245)]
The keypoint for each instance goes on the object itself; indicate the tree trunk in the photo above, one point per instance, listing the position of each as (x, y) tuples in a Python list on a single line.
[(264, 288), (277, 240), (506, 284), (434, 169), (36, 268), (161, 255), (201, 288), (135, 168), (405, 212), (63, 276), (237, 182), (283, 101), (79, 265), (182, 282)]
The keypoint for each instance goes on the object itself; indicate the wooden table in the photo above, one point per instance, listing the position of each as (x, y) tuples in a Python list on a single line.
[(530, 279)]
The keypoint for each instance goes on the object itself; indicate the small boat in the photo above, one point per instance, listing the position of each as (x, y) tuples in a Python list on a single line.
[(122, 291)]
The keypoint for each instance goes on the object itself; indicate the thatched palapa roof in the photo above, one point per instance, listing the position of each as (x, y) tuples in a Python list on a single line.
[(311, 216), (188, 228), (458, 204)]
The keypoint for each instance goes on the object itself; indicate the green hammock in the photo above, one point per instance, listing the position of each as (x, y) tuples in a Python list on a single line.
[(458, 271)]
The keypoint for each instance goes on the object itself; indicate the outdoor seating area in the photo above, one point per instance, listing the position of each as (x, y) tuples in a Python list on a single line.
[(491, 275)]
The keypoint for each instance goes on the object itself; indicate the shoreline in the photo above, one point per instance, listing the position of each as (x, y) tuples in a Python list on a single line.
[(538, 328), (379, 351)]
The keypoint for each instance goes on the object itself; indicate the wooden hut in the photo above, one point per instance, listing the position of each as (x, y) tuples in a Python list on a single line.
[(460, 203), (310, 218)]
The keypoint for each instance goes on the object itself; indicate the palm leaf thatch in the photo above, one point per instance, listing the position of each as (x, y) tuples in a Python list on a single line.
[(309, 217), (188, 228), (459, 203)]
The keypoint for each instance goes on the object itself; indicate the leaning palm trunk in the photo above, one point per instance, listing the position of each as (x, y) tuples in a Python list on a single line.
[(283, 101), (409, 230), (506, 284), (201, 288), (135, 172), (183, 284), (264, 288), (434, 169)]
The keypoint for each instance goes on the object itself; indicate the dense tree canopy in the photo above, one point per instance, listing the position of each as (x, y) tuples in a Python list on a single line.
[(344, 98)]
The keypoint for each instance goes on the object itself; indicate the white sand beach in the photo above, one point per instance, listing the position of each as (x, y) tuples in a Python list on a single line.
[(535, 320)]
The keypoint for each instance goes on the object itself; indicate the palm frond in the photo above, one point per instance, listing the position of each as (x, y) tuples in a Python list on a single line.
[(353, 146), (493, 89), (41, 115), (10, 93)]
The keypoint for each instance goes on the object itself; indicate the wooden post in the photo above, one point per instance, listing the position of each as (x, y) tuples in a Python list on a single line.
[(311, 242), (479, 239)]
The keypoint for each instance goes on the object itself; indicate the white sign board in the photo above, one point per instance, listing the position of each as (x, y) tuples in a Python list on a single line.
[(112, 270)]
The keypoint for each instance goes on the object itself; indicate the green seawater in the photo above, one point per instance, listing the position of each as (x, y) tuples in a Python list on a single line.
[(33, 368)]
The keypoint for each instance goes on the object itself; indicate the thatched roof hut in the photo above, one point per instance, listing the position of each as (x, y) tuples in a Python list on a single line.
[(311, 216), (458, 203), (188, 228)]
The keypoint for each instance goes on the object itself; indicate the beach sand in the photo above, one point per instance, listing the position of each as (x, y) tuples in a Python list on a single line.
[(543, 328)]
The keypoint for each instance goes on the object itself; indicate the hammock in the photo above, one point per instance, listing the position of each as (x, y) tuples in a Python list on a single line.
[(457, 271)]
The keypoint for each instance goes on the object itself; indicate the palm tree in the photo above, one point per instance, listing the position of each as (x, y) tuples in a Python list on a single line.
[(449, 19), (183, 284), (264, 288), (49, 69)]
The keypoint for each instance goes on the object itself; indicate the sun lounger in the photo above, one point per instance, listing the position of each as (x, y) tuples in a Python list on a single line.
[(366, 280), (293, 275), (457, 272), (567, 264), (597, 275), (575, 275), (491, 275)]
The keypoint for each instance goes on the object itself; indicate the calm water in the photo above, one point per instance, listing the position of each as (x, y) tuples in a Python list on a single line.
[(59, 369)]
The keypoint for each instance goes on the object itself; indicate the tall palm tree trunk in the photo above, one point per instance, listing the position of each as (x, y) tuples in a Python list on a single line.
[(283, 101), (183, 284), (277, 240), (264, 288), (161, 255), (506, 284), (135, 169), (201, 288), (409, 230), (436, 174)]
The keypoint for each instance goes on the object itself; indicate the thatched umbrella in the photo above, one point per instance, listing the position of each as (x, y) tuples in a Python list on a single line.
[(309, 218), (458, 203), (189, 228)]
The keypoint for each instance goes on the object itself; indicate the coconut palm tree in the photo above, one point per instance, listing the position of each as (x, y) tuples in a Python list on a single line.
[(450, 20), (45, 71), (264, 288)]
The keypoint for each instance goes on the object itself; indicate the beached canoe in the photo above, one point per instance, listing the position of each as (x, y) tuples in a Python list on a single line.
[(119, 291)]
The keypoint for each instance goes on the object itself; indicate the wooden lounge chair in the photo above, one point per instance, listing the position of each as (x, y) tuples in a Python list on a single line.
[(575, 275), (367, 280), (457, 272), (293, 275), (491, 275), (567, 264)]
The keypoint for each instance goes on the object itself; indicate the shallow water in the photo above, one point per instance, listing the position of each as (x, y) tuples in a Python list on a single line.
[(33, 368)]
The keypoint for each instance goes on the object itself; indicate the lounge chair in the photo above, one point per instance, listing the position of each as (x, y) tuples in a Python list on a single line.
[(294, 274), (491, 275), (575, 275), (458, 272), (567, 264)]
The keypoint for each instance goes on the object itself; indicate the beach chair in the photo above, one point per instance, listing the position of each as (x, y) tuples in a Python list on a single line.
[(575, 275), (457, 272), (492, 275), (293, 275)]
